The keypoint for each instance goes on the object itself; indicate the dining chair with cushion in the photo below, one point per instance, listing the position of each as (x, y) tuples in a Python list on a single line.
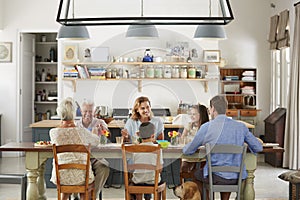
[(235, 167), (158, 189), (87, 188)]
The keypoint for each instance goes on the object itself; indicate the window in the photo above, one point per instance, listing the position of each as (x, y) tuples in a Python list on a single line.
[(281, 70)]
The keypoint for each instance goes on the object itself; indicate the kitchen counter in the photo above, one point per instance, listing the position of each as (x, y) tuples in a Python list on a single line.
[(112, 124)]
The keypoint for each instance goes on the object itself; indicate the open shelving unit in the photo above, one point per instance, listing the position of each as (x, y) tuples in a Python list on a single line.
[(139, 65)]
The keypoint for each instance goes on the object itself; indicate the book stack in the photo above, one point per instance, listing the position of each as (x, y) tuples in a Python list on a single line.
[(97, 73), (82, 71), (248, 90), (231, 78), (248, 76), (70, 72)]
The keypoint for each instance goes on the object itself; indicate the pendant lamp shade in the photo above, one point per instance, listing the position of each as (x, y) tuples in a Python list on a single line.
[(216, 32), (142, 31), (73, 33)]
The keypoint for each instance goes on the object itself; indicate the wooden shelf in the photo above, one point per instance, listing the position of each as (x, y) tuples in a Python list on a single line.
[(46, 82), (46, 63), (204, 81), (138, 63), (45, 102), (46, 43)]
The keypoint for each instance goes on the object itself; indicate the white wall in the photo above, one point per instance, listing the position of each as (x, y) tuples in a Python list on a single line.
[(246, 46)]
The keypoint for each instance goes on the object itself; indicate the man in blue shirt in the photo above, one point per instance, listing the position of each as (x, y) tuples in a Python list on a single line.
[(222, 130)]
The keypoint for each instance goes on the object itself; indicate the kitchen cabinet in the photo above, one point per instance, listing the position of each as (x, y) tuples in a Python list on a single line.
[(239, 86), (45, 83), (139, 71)]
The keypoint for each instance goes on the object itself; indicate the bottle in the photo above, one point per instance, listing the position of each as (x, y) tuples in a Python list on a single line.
[(43, 76), (49, 77), (37, 76), (52, 54)]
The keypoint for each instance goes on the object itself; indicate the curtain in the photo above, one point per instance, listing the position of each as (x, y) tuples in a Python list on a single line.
[(283, 36), (279, 36), (273, 32), (291, 158)]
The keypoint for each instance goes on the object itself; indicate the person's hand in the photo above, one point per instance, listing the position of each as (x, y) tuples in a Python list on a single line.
[(124, 133)]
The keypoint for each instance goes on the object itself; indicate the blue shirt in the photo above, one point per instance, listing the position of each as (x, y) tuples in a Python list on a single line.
[(223, 130), (133, 126)]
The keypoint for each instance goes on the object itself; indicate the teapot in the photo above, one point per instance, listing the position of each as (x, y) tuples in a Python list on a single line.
[(148, 57)]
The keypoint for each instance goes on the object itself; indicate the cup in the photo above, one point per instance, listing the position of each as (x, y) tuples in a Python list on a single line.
[(119, 140)]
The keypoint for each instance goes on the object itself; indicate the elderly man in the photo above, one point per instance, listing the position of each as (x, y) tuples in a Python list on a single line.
[(100, 167)]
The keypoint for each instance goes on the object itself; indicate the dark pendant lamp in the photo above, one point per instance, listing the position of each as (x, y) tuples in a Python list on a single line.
[(142, 30)]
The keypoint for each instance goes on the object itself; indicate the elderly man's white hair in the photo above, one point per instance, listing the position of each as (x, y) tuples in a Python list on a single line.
[(88, 102)]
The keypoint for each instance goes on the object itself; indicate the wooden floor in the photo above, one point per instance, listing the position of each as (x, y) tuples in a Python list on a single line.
[(267, 185)]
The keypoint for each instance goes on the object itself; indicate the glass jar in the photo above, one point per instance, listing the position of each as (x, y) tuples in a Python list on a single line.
[(175, 71), (192, 72), (167, 71), (150, 71), (183, 72), (142, 72), (108, 73), (158, 72)]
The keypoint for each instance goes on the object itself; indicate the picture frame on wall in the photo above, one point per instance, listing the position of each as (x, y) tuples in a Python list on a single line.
[(70, 53), (5, 52), (211, 56)]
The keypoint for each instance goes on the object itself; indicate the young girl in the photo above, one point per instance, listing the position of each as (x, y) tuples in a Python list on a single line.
[(199, 116)]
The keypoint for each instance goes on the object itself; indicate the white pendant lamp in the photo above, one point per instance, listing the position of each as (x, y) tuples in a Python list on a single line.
[(216, 32), (143, 30), (73, 33)]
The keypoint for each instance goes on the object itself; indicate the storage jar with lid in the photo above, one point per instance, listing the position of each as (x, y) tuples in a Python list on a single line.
[(175, 71), (167, 71), (192, 72), (142, 72), (150, 71), (158, 71), (183, 72)]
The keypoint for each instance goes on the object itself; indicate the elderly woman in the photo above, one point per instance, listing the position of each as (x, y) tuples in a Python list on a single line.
[(68, 133), (141, 112)]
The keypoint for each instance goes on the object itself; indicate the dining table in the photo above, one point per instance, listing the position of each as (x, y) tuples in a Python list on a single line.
[(36, 156)]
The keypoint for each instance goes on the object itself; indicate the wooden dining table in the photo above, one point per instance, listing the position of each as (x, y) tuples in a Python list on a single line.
[(35, 158)]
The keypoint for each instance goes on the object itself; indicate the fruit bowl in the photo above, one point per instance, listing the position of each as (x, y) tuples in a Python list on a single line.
[(163, 143)]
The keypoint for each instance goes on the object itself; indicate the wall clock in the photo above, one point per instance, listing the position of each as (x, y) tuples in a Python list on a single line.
[(5, 51)]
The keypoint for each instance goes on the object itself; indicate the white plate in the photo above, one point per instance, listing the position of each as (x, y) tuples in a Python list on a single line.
[(270, 144)]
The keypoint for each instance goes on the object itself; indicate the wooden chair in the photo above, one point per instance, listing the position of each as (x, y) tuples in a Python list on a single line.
[(86, 188), (157, 189), (224, 149)]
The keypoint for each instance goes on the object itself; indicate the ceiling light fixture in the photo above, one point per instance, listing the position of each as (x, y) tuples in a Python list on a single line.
[(87, 18), (144, 30), (216, 32), (73, 32)]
